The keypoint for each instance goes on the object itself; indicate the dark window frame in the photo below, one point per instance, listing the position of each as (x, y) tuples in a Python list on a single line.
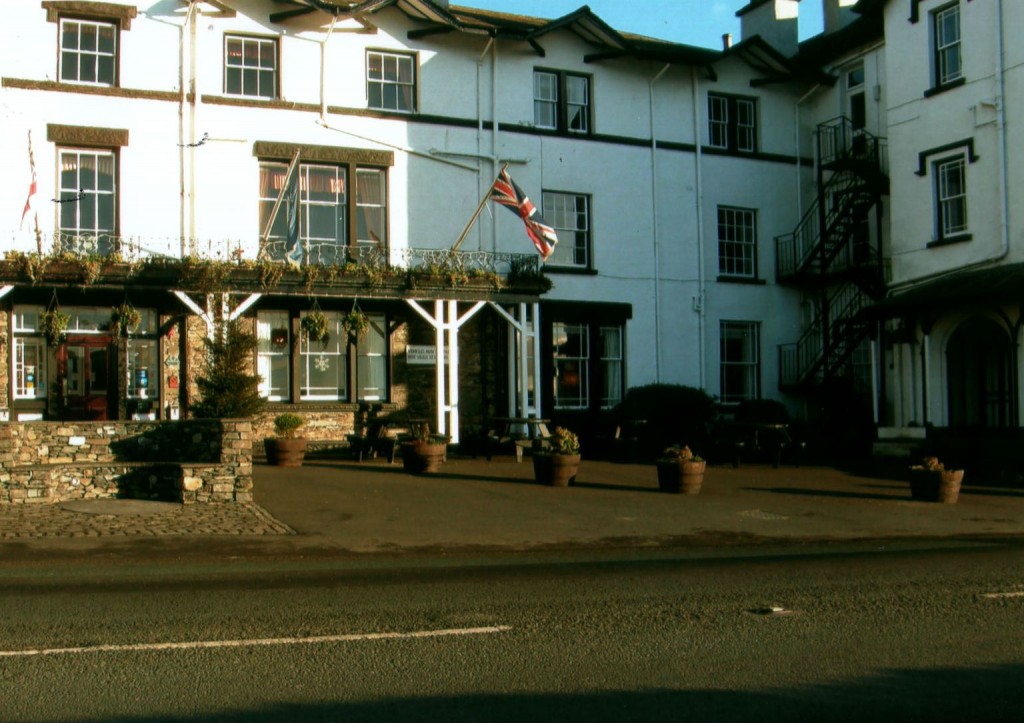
[(731, 143), (414, 99), (563, 231), (261, 39), (563, 120)]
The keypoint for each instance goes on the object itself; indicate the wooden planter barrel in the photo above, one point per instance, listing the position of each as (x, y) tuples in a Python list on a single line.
[(936, 485), (680, 477), (284, 451), (423, 457)]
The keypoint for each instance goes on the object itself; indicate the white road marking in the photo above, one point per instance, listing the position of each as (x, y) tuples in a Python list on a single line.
[(993, 595), (200, 644)]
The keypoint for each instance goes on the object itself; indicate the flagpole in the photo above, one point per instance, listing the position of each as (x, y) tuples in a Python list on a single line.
[(280, 198), (476, 214)]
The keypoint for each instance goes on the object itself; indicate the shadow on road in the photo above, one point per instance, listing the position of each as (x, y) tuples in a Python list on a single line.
[(990, 694)]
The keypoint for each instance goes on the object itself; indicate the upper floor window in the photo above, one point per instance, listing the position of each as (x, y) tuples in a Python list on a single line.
[(88, 52), (739, 361), (946, 41), (561, 101), (329, 215), (87, 201), (732, 123), (569, 215), (391, 81), (737, 242), (950, 197), (250, 66)]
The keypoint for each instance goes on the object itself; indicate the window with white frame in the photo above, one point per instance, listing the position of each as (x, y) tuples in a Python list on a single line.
[(611, 366), (561, 101), (737, 242), (739, 361), (250, 66), (371, 360), (572, 361), (946, 42), (569, 215), (29, 354), (88, 52), (391, 81), (273, 361), (732, 123), (326, 210), (143, 370), (323, 365), (950, 197), (87, 199)]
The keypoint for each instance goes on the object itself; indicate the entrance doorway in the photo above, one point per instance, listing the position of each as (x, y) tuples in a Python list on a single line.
[(979, 364), (86, 372)]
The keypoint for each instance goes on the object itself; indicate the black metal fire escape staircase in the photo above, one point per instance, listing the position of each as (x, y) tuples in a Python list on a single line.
[(830, 255)]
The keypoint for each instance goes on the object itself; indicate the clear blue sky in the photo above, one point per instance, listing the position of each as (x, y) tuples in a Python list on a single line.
[(693, 22)]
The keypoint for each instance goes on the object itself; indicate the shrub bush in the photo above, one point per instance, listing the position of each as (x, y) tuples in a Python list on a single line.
[(661, 415)]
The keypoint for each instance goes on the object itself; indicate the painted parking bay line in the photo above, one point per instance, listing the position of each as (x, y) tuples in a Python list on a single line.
[(998, 595), (255, 642)]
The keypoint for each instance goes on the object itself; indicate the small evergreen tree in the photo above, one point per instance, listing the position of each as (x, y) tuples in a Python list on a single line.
[(227, 386)]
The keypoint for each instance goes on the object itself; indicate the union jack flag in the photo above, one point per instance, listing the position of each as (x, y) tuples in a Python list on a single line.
[(507, 193)]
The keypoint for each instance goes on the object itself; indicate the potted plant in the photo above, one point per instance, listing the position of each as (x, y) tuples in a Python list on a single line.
[(422, 451), (680, 470), (356, 324), (124, 320), (52, 324), (316, 327), (287, 449), (930, 481), (557, 462)]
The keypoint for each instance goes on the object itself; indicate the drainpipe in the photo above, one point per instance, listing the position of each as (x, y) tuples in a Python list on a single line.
[(799, 165), (480, 120), (699, 191), (494, 133), (323, 69), (654, 215), (194, 87), (181, 124)]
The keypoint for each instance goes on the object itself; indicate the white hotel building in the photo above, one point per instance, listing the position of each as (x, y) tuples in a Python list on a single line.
[(821, 223)]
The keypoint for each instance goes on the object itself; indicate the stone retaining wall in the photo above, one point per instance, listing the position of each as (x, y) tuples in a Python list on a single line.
[(187, 461)]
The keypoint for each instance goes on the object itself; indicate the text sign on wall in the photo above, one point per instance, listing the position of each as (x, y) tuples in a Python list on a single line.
[(423, 354)]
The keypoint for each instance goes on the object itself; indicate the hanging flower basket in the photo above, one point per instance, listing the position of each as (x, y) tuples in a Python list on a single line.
[(356, 324), (315, 327), (124, 320), (53, 323)]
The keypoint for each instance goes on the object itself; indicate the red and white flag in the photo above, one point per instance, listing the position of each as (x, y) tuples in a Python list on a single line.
[(508, 194), (33, 186)]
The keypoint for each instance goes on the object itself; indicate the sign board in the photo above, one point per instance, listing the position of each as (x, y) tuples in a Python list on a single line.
[(423, 355)]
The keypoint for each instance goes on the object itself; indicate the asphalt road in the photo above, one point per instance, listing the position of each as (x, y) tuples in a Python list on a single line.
[(855, 633)]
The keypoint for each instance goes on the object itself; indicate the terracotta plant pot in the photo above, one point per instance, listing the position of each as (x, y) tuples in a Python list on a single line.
[(423, 457), (284, 451), (555, 470), (680, 477)]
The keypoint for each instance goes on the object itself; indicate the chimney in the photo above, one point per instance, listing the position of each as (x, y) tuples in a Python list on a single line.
[(774, 20), (726, 41), (838, 14)]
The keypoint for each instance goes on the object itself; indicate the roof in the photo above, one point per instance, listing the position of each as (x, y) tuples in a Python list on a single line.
[(608, 42), (985, 286), (825, 48)]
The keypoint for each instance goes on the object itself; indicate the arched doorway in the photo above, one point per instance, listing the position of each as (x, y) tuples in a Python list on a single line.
[(979, 364)]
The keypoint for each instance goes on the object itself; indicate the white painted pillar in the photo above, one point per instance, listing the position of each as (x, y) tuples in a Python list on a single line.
[(439, 366), (537, 385), (453, 368), (926, 386), (524, 397)]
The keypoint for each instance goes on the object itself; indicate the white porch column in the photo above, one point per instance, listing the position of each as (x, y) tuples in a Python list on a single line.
[(524, 393), (439, 327), (453, 368), (537, 385)]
